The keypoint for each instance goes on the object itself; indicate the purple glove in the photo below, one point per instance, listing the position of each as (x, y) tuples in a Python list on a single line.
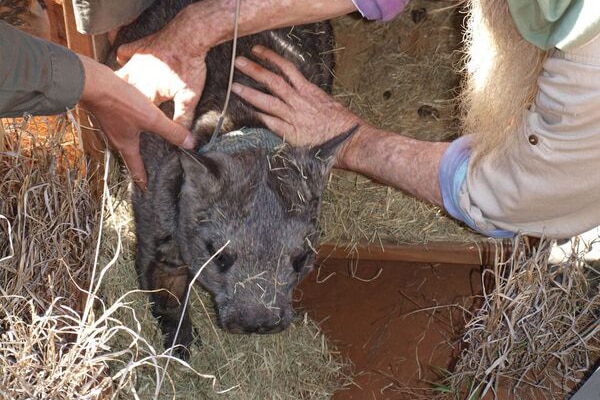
[(381, 10)]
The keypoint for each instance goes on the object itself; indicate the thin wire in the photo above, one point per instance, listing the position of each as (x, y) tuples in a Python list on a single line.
[(217, 130), (233, 54)]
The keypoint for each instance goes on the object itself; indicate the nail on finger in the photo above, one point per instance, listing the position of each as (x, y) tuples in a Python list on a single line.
[(236, 88), (188, 143), (241, 62)]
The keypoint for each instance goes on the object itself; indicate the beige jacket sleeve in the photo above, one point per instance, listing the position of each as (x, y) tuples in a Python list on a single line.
[(36, 76)]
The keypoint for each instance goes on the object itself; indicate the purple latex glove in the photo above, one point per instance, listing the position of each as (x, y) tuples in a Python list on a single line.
[(381, 10)]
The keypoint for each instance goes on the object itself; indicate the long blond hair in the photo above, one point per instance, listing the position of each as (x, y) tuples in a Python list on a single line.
[(501, 77)]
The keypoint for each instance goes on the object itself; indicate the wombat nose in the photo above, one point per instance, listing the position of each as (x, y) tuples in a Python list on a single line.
[(268, 329), (264, 322), (269, 324)]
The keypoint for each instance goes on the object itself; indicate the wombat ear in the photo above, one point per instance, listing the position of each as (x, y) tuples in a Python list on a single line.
[(200, 171), (328, 150)]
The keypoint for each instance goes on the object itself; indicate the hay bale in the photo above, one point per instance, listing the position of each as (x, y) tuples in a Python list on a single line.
[(47, 231), (47, 214), (401, 76)]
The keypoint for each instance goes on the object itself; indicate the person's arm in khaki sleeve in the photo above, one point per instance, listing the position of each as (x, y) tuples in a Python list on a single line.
[(42, 78)]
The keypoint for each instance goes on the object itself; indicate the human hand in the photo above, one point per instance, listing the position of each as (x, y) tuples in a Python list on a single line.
[(123, 112), (166, 66), (300, 112)]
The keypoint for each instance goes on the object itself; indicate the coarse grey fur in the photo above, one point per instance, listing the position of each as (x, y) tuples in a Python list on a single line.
[(264, 205)]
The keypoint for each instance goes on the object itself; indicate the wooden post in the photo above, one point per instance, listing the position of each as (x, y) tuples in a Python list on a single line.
[(94, 47)]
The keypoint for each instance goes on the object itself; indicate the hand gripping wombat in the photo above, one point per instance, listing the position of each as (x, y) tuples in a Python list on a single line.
[(248, 190)]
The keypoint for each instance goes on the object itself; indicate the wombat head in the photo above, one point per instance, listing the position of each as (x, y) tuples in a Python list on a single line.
[(262, 209)]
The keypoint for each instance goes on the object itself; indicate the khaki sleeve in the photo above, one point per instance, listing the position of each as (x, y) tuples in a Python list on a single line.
[(100, 16), (36, 76)]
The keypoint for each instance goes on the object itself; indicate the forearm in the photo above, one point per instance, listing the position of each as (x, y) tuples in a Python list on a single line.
[(36, 76), (405, 163), (256, 16)]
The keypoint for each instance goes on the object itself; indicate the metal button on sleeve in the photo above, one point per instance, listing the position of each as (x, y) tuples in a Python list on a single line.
[(533, 140)]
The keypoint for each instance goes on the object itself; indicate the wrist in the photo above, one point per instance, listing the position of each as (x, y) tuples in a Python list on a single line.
[(216, 19), (94, 85), (347, 155)]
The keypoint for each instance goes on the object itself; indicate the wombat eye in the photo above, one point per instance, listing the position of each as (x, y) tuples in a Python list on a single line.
[(300, 261), (223, 260)]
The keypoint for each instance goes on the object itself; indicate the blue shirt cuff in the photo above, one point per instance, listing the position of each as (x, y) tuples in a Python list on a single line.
[(452, 175)]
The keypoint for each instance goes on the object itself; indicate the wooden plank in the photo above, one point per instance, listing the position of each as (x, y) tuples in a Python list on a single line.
[(57, 22), (483, 253), (79, 43), (93, 143)]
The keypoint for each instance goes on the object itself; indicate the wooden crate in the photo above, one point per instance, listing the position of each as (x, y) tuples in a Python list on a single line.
[(484, 253)]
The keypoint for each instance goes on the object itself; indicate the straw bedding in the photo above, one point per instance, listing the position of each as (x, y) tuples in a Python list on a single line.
[(537, 333), (533, 334)]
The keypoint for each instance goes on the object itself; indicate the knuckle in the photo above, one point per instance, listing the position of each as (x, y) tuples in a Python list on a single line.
[(279, 82), (272, 103)]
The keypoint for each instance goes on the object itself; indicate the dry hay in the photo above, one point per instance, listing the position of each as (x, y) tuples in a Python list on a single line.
[(537, 333), (56, 342), (400, 76), (47, 229), (534, 335)]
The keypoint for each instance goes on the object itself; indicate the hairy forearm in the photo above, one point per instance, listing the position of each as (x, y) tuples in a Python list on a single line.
[(407, 164), (217, 16)]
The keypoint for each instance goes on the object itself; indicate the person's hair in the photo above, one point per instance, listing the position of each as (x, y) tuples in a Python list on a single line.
[(501, 70)]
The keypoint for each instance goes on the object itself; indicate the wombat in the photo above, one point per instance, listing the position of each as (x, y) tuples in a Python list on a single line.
[(250, 192)]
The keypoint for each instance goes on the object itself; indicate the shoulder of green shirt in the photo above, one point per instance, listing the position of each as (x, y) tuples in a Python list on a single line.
[(565, 24)]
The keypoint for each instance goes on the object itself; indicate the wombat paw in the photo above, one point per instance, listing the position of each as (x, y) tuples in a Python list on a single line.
[(182, 352), (182, 349)]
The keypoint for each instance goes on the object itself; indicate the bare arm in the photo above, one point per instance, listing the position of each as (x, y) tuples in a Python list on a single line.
[(304, 115), (260, 15), (402, 162)]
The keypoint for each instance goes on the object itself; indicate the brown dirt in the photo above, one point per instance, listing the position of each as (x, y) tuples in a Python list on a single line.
[(372, 315)]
